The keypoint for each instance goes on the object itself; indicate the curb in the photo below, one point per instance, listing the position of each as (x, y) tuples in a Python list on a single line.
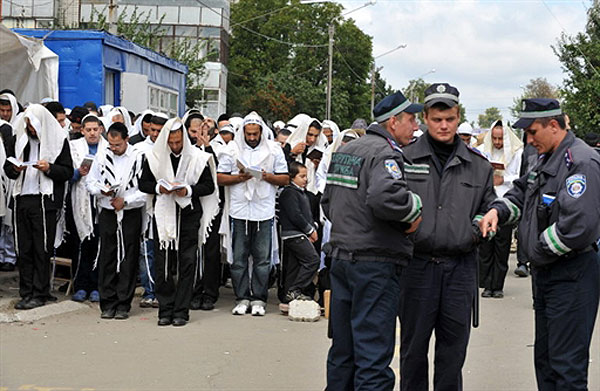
[(42, 312)]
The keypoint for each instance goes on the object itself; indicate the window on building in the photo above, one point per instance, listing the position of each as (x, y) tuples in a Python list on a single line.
[(163, 100)]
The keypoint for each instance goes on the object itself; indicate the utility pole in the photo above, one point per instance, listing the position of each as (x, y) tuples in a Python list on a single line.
[(373, 71), (112, 17), (330, 72)]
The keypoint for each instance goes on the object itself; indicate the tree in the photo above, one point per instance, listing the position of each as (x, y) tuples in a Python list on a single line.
[(536, 88), (415, 92), (490, 115), (292, 59), (580, 58)]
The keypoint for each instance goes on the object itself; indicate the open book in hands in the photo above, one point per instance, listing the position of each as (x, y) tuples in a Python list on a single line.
[(19, 163), (87, 161), (170, 186), (256, 172), (497, 165), (103, 187)]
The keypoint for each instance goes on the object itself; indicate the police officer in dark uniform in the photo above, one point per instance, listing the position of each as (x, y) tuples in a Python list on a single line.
[(372, 212), (559, 209), (439, 284)]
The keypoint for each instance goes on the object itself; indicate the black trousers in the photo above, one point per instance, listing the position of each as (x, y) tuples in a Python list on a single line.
[(300, 264), (174, 294), (212, 272), (436, 295), (566, 305), (33, 259), (85, 277), (493, 260), (117, 289)]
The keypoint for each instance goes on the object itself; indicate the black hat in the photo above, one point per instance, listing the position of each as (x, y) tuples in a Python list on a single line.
[(91, 106), (394, 104), (441, 93), (533, 109)]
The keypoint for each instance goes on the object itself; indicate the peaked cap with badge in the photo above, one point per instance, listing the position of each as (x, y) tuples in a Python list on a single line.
[(441, 93), (537, 108), (393, 105)]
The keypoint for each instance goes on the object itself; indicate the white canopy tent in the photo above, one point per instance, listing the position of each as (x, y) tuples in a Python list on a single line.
[(27, 67)]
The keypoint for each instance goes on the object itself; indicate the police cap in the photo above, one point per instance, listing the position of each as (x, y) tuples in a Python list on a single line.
[(441, 93), (533, 109), (394, 104)]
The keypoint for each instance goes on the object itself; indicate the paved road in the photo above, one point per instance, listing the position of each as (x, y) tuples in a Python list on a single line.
[(77, 351)]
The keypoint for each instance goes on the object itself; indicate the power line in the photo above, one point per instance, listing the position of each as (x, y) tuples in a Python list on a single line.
[(353, 71)]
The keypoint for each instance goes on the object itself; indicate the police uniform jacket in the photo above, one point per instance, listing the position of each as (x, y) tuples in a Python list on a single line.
[(558, 203), (454, 197), (367, 201)]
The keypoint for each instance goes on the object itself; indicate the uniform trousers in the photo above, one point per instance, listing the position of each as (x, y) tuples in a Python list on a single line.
[(566, 304), (175, 269), (364, 304), (493, 260), (437, 295), (33, 259), (117, 289)]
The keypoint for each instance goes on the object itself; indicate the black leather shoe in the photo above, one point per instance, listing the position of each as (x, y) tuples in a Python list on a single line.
[(7, 267), (486, 293), (51, 298), (164, 321), (121, 315), (196, 304), (108, 314), (22, 303), (34, 303), (207, 304), (178, 322), (497, 294)]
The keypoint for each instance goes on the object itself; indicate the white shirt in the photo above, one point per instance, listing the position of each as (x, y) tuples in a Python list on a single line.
[(122, 163), (31, 181), (256, 209), (511, 170)]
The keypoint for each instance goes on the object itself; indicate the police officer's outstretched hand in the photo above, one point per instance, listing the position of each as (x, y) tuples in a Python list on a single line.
[(414, 225), (489, 223)]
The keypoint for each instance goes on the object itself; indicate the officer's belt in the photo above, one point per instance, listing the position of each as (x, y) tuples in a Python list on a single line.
[(574, 253), (365, 256), (439, 258)]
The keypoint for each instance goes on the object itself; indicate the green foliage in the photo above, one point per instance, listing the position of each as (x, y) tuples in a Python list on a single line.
[(297, 74), (581, 89), (490, 115), (536, 88), (139, 28)]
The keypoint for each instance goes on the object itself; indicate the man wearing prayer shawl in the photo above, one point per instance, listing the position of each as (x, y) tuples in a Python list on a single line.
[(251, 168), (38, 191), (113, 180), (504, 149), (182, 179)]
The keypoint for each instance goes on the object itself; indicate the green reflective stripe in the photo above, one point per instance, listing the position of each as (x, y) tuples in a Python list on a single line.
[(416, 168), (477, 218), (554, 243), (415, 210), (342, 180), (515, 213)]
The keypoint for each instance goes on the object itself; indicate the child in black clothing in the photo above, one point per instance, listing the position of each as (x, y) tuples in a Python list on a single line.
[(298, 231)]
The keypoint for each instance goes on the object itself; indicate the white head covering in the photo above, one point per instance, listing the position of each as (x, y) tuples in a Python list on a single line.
[(279, 125), (13, 104), (236, 123), (138, 122), (300, 124), (465, 128), (511, 143), (104, 110), (190, 168), (120, 110), (333, 126)]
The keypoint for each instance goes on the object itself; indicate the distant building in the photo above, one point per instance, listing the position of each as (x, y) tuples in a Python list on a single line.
[(181, 20)]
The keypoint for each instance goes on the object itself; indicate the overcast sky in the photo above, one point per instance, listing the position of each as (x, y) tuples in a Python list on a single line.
[(487, 49)]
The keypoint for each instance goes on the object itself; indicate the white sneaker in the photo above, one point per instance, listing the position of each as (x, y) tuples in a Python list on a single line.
[(241, 308), (258, 310)]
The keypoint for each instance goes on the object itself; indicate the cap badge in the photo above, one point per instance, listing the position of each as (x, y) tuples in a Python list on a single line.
[(524, 105), (441, 88)]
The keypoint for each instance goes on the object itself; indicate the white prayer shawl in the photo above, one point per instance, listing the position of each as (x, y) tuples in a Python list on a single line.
[(104, 110), (218, 145), (299, 136), (3, 178), (512, 149), (80, 196), (188, 113), (6, 185), (137, 127), (120, 110), (51, 137), (333, 126), (191, 165), (236, 123), (13, 104), (236, 149)]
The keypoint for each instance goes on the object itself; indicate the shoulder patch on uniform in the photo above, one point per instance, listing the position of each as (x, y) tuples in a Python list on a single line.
[(392, 167), (576, 185), (344, 170)]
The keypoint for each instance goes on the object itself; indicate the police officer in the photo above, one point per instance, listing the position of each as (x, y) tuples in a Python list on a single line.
[(371, 212), (439, 284), (559, 208)]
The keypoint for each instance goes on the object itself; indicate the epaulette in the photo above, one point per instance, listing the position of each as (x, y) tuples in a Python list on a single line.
[(394, 145), (568, 158), (476, 152)]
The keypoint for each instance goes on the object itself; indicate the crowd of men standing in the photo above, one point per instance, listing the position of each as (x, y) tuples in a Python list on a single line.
[(396, 222)]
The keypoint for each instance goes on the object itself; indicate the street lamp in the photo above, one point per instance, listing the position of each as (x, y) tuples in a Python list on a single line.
[(374, 70), (412, 88)]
